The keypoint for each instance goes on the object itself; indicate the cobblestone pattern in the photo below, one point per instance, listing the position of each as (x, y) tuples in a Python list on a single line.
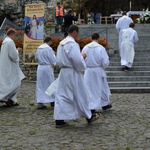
[(125, 127)]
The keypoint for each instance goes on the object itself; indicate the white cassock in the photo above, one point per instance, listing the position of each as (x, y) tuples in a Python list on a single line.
[(95, 80), (122, 23), (129, 37), (45, 74), (10, 72), (40, 31), (71, 95)]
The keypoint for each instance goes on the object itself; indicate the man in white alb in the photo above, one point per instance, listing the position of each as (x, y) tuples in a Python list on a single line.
[(95, 80), (129, 37), (10, 72), (45, 76)]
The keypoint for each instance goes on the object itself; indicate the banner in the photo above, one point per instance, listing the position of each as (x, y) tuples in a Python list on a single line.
[(34, 31)]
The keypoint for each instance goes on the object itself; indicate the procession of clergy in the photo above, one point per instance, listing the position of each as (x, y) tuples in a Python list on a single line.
[(73, 94)]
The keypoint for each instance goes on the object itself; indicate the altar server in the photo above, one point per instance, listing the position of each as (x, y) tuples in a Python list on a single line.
[(96, 61), (129, 37), (45, 76)]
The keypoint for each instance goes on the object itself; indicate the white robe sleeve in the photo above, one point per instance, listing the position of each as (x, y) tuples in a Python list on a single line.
[(84, 49), (13, 53), (76, 58), (105, 59), (51, 56)]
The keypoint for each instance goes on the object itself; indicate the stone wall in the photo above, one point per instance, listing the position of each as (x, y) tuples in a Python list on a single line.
[(16, 14)]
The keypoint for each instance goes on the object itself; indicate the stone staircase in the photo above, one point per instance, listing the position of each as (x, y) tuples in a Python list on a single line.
[(135, 80), (138, 78)]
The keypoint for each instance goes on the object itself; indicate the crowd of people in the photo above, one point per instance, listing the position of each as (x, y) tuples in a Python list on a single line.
[(76, 95)]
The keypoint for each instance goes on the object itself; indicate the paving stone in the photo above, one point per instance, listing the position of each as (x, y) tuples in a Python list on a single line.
[(125, 126)]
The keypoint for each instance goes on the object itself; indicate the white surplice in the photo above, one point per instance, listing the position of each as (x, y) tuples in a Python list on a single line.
[(71, 95), (129, 37), (45, 73), (10, 72), (122, 23), (95, 80)]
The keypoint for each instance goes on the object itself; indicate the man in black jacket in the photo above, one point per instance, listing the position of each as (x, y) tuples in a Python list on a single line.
[(68, 20)]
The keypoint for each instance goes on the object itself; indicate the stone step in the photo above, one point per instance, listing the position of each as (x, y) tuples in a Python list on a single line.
[(134, 68), (130, 89), (127, 78), (129, 84), (128, 73), (138, 59), (144, 54), (134, 64), (114, 45), (137, 56)]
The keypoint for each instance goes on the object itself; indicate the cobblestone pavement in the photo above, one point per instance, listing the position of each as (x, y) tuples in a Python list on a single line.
[(125, 127)]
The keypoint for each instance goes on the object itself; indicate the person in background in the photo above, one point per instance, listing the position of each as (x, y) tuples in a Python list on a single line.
[(45, 76), (122, 23), (59, 15), (95, 80), (129, 37), (71, 95), (10, 72), (120, 12), (92, 16), (98, 18), (68, 20)]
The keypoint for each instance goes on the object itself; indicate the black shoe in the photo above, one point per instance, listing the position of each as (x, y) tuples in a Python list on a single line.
[(94, 117), (41, 107), (64, 124), (126, 68), (52, 104), (107, 107), (11, 103)]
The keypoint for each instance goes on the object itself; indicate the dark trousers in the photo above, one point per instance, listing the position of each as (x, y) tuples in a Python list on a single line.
[(60, 122)]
